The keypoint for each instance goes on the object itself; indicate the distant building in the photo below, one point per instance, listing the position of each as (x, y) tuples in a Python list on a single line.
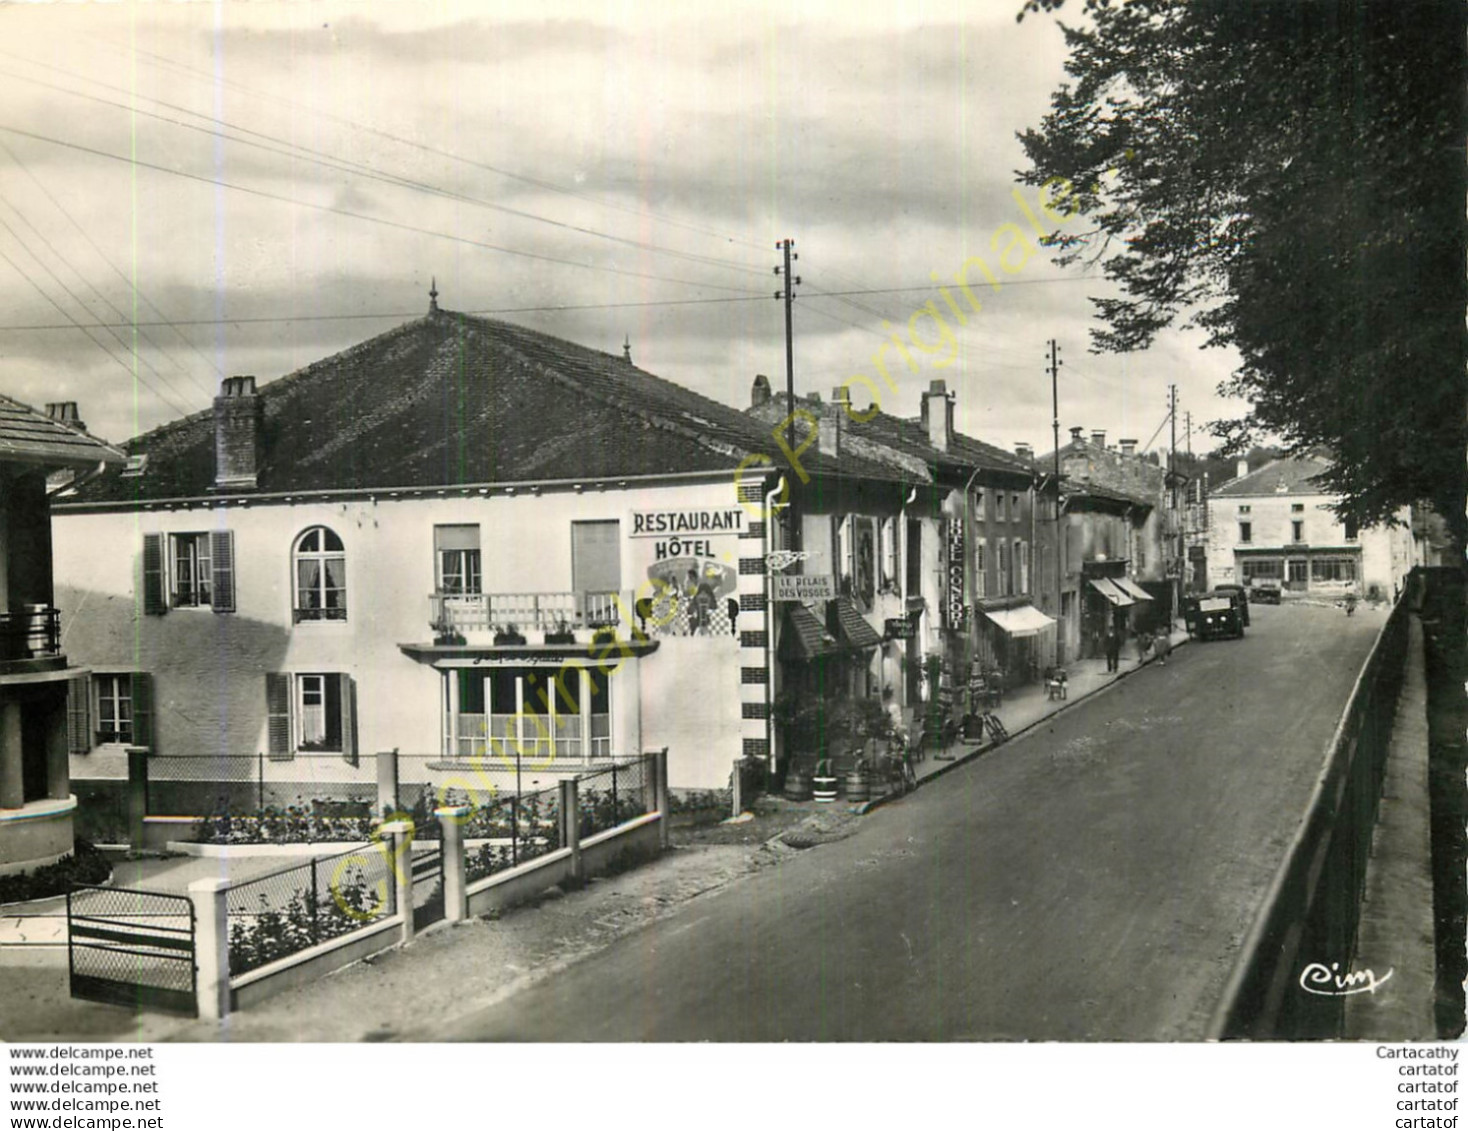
[(1120, 550), (1276, 525), (36, 803)]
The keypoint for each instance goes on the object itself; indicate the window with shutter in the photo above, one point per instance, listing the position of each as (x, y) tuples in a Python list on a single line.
[(348, 698), (222, 557), (78, 715), (142, 704), (114, 708), (155, 601), (278, 714)]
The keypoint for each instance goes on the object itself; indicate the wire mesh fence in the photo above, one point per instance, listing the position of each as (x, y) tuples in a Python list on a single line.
[(223, 786), (277, 915), (613, 796), (509, 830)]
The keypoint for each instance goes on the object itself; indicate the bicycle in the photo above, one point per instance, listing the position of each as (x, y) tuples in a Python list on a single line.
[(995, 728), (900, 772)]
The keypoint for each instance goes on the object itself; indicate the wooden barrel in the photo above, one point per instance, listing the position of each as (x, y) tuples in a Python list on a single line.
[(797, 783)]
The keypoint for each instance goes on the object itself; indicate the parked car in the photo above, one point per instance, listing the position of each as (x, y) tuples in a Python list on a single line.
[(1266, 592), (1240, 594)]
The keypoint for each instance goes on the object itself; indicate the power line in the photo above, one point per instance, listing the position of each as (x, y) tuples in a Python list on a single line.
[(100, 296), (60, 282), (541, 257), (118, 271), (214, 79), (131, 371), (394, 314), (329, 161)]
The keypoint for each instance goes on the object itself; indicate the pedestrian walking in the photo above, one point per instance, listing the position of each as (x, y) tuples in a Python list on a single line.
[(1113, 649)]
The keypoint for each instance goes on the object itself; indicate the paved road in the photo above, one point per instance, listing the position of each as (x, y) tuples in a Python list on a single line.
[(1089, 881)]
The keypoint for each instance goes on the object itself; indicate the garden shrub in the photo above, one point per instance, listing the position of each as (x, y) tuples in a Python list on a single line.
[(85, 865)]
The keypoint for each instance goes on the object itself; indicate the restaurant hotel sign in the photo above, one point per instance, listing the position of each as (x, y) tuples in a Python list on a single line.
[(690, 556)]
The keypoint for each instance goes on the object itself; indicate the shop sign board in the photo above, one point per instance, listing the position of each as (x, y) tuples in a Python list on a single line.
[(953, 608), (901, 628), (816, 587)]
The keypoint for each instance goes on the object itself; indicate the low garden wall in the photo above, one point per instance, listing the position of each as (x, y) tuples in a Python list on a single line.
[(270, 933)]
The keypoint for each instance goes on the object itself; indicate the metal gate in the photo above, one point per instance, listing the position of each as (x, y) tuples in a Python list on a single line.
[(132, 948), (428, 903)]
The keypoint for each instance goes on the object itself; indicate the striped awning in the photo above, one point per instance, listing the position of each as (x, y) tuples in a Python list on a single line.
[(1108, 590), (1026, 620), (856, 631), (1131, 588), (805, 637)]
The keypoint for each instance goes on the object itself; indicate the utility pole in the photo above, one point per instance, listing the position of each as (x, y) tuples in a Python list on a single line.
[(788, 294), (1055, 364), (1177, 548)]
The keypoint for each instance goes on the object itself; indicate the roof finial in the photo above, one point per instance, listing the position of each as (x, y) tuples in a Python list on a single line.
[(433, 296), (627, 348)]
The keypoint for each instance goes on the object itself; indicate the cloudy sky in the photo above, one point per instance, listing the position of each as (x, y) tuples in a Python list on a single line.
[(209, 189)]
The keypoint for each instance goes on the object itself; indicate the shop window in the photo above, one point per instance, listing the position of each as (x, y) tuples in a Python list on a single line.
[(532, 714), (1337, 570)]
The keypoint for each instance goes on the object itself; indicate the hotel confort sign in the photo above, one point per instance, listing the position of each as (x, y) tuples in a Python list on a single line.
[(693, 553)]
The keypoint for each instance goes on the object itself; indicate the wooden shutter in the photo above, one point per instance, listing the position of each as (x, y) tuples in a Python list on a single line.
[(155, 597), (347, 698), (221, 558), (142, 684), (278, 713), (79, 714)]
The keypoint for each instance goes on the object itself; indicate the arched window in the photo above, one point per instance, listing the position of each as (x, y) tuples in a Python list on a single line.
[(320, 565)]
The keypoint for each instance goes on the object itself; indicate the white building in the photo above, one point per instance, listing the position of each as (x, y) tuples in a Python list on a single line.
[(459, 540), (1275, 524)]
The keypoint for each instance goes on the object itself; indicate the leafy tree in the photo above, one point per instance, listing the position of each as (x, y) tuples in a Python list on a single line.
[(1287, 176)]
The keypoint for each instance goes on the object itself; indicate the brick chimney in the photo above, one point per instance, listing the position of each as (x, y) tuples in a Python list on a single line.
[(1243, 468), (759, 393), (938, 420), (1098, 437), (829, 422), (64, 412), (1024, 451), (239, 427), (1075, 434), (1128, 447)]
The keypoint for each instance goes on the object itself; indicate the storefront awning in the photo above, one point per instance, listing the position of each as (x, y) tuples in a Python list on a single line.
[(1131, 588), (856, 632), (805, 637), (1107, 589), (1023, 621)]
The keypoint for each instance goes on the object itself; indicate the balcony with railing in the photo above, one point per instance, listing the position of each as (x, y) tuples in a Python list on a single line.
[(30, 639), (541, 613), (557, 618)]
